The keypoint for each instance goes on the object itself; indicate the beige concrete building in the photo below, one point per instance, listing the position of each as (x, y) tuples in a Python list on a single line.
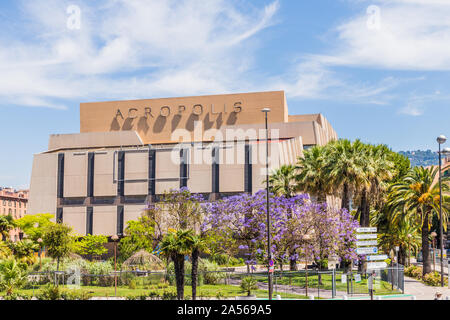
[(13, 202), (129, 152)]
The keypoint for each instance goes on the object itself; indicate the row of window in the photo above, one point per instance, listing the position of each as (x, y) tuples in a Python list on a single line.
[(14, 203), (10, 212)]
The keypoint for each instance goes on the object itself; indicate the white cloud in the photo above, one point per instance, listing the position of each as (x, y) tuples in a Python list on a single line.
[(413, 35), (129, 48), (138, 49)]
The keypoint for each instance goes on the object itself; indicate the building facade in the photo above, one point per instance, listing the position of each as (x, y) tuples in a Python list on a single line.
[(128, 153), (13, 202)]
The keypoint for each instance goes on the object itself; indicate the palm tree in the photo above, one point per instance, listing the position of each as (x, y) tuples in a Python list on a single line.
[(344, 166), (417, 196), (198, 244), (6, 224), (312, 176), (283, 181), (12, 276), (404, 233), (5, 251), (24, 250), (176, 245), (379, 171)]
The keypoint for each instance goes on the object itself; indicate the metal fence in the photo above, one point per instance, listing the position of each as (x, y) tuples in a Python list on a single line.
[(300, 284)]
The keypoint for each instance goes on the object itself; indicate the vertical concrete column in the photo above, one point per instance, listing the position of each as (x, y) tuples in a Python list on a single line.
[(120, 220), (215, 173), (183, 168), (90, 178), (151, 175), (90, 174), (60, 177), (121, 175), (59, 215), (248, 175), (89, 220)]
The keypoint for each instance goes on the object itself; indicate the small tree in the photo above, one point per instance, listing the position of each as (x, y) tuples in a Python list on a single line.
[(139, 235), (176, 245), (7, 223), (248, 284), (91, 245), (59, 242), (34, 225)]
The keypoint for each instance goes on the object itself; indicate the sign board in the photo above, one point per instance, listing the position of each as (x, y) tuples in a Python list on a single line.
[(367, 250), (365, 236), (343, 278), (376, 265), (271, 263), (271, 269), (357, 278), (363, 230), (366, 243), (377, 258)]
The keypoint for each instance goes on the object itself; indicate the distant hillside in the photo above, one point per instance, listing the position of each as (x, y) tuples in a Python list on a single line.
[(422, 158)]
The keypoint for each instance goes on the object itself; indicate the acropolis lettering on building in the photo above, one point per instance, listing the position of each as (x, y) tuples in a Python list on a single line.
[(166, 111)]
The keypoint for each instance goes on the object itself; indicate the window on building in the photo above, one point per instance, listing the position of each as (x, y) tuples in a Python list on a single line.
[(9, 203), (4, 202), (10, 211), (20, 204)]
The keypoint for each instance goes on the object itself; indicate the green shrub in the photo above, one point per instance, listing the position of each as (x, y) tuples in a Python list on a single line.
[(434, 279), (50, 292), (76, 295), (125, 278), (154, 295), (212, 273), (414, 272), (18, 296), (132, 284), (169, 295), (248, 284)]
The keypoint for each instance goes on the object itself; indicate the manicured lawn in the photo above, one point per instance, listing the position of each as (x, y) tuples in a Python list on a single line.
[(205, 291)]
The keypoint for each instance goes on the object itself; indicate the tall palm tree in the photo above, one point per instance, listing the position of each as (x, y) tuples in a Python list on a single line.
[(312, 177), (6, 224), (417, 196), (283, 181), (176, 245), (379, 171), (344, 166)]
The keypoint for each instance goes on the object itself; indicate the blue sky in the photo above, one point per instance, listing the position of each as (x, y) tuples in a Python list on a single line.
[(378, 70)]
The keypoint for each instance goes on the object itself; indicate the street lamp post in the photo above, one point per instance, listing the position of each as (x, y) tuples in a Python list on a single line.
[(441, 140), (306, 239), (269, 251), (115, 238), (40, 253), (409, 249), (433, 245)]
